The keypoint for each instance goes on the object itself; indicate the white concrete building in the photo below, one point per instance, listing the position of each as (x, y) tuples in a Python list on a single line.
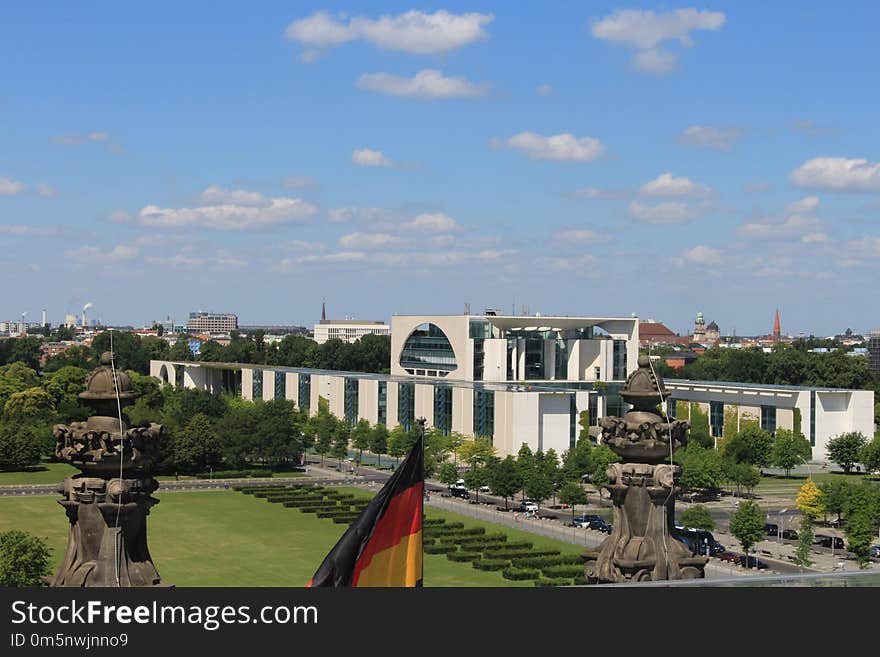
[(202, 322), (348, 330)]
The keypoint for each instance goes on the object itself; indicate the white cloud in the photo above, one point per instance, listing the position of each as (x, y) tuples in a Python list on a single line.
[(366, 157), (815, 238), (93, 255), (670, 212), (646, 31), (707, 136), (378, 217), (803, 206), (10, 187), (428, 84), (563, 147), (791, 227), (299, 182), (249, 212), (700, 255), (543, 90), (432, 223), (309, 56), (584, 262), (360, 240), (579, 237), (289, 264), (413, 32), (838, 174), (46, 191), (606, 194), (219, 195), (667, 185), (186, 261)]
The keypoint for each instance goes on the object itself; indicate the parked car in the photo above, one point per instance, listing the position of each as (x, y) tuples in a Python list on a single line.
[(459, 491), (485, 489), (699, 541), (528, 506), (584, 520), (834, 542), (599, 525), (730, 557), (790, 534), (875, 551), (771, 529)]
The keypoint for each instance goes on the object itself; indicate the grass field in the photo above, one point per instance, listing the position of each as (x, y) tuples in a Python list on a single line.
[(782, 484), (51, 473), (225, 538)]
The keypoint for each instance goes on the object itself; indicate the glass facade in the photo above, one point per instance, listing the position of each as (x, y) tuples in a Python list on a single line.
[(484, 413), (443, 409), (257, 389), (594, 410), (716, 418), (619, 360), (614, 405), (231, 382), (572, 422), (670, 408), (280, 385), (382, 412), (812, 418), (561, 359), (768, 418), (428, 348), (406, 405), (479, 358), (534, 358), (351, 401), (305, 391)]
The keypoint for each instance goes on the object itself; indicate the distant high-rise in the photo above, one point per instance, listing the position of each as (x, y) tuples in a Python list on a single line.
[(874, 351), (212, 322), (777, 332)]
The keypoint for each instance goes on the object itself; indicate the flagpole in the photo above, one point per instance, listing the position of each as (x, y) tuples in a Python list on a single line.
[(421, 422)]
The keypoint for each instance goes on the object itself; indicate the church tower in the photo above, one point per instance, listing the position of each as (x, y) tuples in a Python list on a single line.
[(777, 332), (700, 328)]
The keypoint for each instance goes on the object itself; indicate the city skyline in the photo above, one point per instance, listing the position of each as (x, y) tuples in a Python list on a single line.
[(595, 159)]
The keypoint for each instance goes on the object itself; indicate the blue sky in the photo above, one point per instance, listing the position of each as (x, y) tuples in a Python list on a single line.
[(579, 158)]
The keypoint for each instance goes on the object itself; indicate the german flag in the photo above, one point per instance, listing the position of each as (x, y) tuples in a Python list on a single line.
[(383, 547)]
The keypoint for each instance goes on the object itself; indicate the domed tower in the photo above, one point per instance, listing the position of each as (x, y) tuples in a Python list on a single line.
[(700, 328), (108, 503)]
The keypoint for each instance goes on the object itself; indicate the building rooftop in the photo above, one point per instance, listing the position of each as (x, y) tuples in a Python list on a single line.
[(377, 322)]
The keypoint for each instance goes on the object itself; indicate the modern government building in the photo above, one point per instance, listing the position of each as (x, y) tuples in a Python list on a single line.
[(523, 379)]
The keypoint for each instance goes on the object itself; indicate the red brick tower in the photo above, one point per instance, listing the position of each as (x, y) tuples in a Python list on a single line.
[(777, 332)]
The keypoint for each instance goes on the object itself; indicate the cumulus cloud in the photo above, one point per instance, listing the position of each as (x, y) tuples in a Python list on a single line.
[(10, 187), (579, 237), (223, 209), (185, 260), (96, 255), (413, 32), (805, 205), (428, 84), (838, 174), (604, 194), (668, 185), (699, 255), (815, 238), (366, 157), (562, 148), (670, 212), (793, 226), (359, 240), (646, 32), (719, 138), (431, 223)]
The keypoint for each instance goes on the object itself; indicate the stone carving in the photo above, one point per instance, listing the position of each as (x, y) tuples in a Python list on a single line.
[(108, 503), (643, 489)]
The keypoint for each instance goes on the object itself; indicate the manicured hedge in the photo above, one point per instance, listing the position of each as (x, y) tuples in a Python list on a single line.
[(463, 556), (518, 554), (513, 545), (520, 573), (234, 474), (580, 580), (491, 564), (530, 561), (431, 522), (439, 549), (568, 571), (546, 581)]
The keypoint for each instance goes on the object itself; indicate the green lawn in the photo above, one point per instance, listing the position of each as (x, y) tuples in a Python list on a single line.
[(45, 473), (226, 538), (793, 483)]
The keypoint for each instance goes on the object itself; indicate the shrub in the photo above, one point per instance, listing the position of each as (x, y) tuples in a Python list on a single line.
[(433, 522), (568, 571), (517, 545), (439, 549), (559, 581), (518, 554), (520, 573), (463, 556), (541, 562), (491, 564), (580, 580)]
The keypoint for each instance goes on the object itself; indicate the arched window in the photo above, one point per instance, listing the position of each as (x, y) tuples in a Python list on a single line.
[(427, 347), (163, 374)]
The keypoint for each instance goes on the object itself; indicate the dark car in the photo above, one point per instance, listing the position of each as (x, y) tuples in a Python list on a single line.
[(460, 491), (771, 529), (834, 542), (875, 551), (790, 534), (585, 520), (699, 541), (599, 525), (751, 561)]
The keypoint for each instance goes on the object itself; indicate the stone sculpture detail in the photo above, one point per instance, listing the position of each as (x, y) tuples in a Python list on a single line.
[(108, 503), (643, 489)]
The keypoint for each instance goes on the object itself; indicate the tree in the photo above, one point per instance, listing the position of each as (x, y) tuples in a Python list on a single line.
[(698, 517), (475, 477), (379, 440), (238, 427), (577, 461), (790, 449), (127, 350), (538, 486), (572, 493), (846, 449), (325, 425), (16, 377), (197, 447), (859, 535), (747, 524), (181, 351), (870, 456), (31, 406), (805, 543), (834, 496), (448, 473), (360, 437), (584, 422), (504, 478), (742, 475), (751, 444), (19, 447), (809, 499), (340, 442), (700, 467), (24, 559), (601, 457), (74, 356), (476, 451), (64, 385), (398, 443)]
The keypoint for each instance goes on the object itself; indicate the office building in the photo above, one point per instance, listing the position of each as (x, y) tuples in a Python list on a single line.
[(202, 322)]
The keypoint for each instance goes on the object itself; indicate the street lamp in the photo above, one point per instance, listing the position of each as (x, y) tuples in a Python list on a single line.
[(779, 532)]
